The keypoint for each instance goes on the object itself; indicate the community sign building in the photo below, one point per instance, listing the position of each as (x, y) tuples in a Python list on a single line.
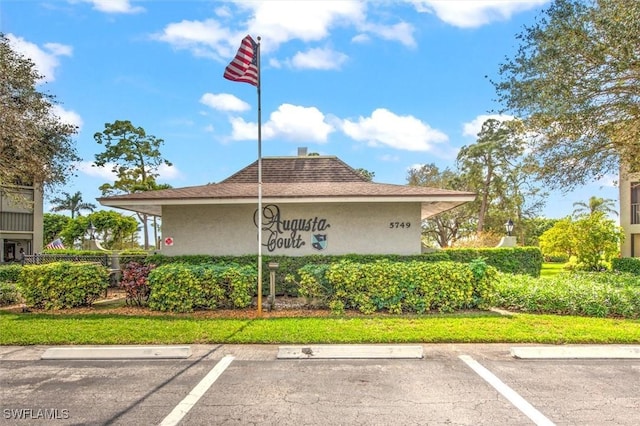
[(310, 205)]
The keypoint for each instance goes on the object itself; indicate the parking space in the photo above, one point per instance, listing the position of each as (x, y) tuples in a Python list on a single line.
[(252, 386)]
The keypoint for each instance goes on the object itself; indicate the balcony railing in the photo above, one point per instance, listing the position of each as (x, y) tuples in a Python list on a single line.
[(10, 221), (635, 214)]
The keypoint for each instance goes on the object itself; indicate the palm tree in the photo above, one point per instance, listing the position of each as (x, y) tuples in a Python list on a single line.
[(73, 203), (595, 204)]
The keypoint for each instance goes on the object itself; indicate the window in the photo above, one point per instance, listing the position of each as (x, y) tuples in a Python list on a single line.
[(635, 203)]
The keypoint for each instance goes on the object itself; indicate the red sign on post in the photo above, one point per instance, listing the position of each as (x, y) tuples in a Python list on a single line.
[(168, 241)]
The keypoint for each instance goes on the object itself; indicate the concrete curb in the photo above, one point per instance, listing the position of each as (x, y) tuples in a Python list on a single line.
[(577, 352), (350, 351), (117, 352)]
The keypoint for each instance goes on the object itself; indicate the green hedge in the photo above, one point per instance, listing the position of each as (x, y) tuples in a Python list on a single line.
[(62, 284), (399, 287), (626, 264), (181, 287), (598, 294), (523, 260), (10, 273), (516, 260)]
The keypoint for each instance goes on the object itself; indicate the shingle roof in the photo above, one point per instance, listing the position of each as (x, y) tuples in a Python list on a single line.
[(232, 190), (293, 178), (297, 169)]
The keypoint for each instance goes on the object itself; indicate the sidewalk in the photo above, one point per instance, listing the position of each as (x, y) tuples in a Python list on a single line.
[(312, 351)]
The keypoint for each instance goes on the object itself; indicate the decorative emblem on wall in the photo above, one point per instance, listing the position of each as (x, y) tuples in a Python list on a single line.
[(286, 233), (168, 241), (319, 241)]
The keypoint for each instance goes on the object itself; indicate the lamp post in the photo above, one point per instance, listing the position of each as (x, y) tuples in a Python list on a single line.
[(509, 226), (92, 231), (273, 266)]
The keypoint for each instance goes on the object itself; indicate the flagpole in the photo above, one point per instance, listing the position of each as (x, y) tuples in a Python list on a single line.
[(259, 185)]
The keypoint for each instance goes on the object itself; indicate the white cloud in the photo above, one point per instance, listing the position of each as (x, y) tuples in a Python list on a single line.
[(288, 122), (90, 169), (224, 102), (58, 49), (243, 131), (168, 172), (277, 22), (45, 60), (324, 59), (361, 38), (275, 63), (472, 128), (402, 32), (389, 158), (384, 127), (114, 6), (299, 123), (474, 13), (68, 117), (203, 38)]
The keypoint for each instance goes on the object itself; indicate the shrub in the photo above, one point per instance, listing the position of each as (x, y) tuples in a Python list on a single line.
[(556, 258), (180, 287), (581, 293), (8, 293), (399, 286), (134, 282), (521, 260), (515, 260), (626, 264), (62, 284), (10, 273)]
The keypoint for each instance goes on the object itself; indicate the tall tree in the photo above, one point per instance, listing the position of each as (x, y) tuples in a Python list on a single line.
[(445, 228), (593, 239), (134, 157), (594, 205), (113, 229), (575, 81), (72, 203), (490, 166), (53, 225), (368, 175), (35, 146)]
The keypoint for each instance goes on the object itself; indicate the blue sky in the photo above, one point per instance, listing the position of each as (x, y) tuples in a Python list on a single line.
[(383, 85)]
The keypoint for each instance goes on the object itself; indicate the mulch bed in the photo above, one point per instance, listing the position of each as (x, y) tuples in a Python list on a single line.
[(112, 304), (285, 307)]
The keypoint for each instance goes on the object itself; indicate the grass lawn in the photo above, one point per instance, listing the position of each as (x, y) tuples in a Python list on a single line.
[(110, 322), (474, 327), (551, 269)]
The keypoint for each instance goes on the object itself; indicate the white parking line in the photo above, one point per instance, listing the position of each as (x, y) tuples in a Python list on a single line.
[(512, 396), (190, 400)]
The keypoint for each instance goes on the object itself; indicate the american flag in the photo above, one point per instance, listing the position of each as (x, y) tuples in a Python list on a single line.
[(55, 245), (244, 66)]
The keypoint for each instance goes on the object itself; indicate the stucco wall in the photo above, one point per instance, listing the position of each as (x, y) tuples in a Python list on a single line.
[(364, 228), (632, 232)]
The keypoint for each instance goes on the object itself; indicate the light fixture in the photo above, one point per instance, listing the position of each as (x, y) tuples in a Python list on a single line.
[(509, 226), (92, 231)]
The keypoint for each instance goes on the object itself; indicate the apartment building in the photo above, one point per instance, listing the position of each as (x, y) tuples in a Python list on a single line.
[(630, 214), (21, 221)]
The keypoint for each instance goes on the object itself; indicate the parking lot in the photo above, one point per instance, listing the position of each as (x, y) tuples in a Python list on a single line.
[(247, 384)]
